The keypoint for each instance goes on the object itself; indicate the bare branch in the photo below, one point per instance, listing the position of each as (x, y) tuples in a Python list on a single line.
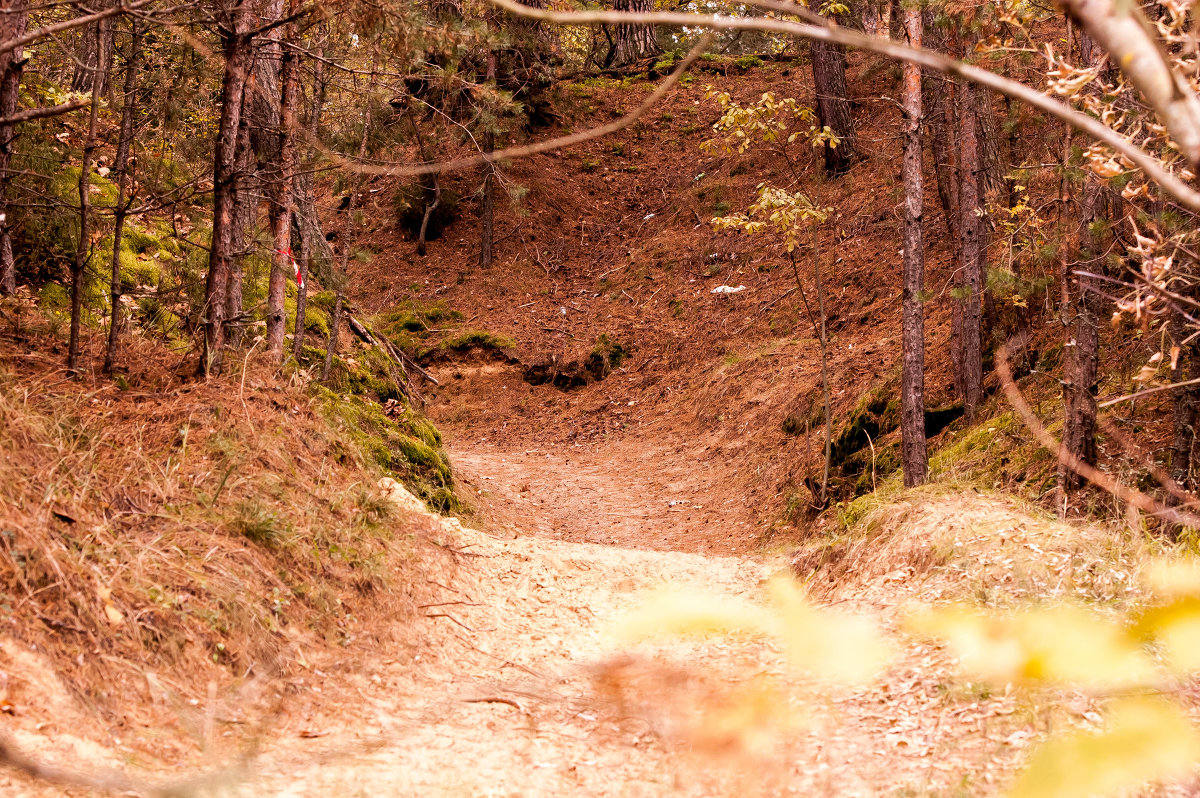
[(1153, 168), (529, 149), (1136, 498), (42, 113), (1147, 392), (68, 24), (1121, 29)]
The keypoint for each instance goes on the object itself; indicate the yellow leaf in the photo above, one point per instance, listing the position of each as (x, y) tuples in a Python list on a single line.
[(114, 615), (1177, 629), (1147, 739), (676, 612), (1064, 644), (835, 646), (1173, 578)]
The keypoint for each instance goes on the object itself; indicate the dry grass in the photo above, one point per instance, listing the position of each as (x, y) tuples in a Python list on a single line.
[(179, 534), (940, 542)]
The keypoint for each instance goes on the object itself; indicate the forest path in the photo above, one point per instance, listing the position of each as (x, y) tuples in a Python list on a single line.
[(634, 493), (515, 686)]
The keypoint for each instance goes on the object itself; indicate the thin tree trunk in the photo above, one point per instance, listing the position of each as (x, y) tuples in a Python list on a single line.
[(281, 205), (1187, 404), (238, 59), (871, 18), (1186, 400), (92, 63), (826, 392), (487, 203), (121, 164), (347, 241), (429, 209), (914, 455), (833, 104), (304, 198), (83, 249), (970, 284), (634, 41), (245, 216), (334, 324), (940, 130), (819, 327), (14, 19), (429, 181), (1081, 376)]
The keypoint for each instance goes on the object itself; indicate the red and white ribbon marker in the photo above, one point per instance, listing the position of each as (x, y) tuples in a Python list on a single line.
[(295, 265)]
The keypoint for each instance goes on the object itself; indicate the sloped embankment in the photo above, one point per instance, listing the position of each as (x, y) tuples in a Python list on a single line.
[(159, 543)]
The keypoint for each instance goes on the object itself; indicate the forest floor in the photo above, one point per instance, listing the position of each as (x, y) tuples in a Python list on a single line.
[(515, 684), (675, 471), (523, 690)]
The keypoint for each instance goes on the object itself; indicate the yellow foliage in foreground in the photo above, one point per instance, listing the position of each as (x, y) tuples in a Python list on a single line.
[(1144, 739)]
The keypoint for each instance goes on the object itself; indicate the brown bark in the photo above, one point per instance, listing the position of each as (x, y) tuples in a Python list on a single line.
[(914, 455), (833, 104), (940, 130), (872, 20), (83, 248), (93, 62), (1081, 369), (245, 216), (14, 19), (238, 54), (488, 201), (304, 198), (281, 202), (633, 41), (969, 288), (1186, 401), (121, 165)]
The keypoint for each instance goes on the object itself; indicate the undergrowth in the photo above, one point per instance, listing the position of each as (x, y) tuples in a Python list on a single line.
[(210, 526)]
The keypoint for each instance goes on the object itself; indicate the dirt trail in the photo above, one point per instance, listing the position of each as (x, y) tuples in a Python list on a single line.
[(518, 689), (513, 685), (631, 493)]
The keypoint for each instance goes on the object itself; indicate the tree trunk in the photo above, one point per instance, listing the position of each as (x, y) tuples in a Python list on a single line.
[(14, 19), (940, 131), (83, 249), (634, 41), (94, 59), (872, 20), (488, 201), (121, 164), (915, 457), (969, 290), (833, 104), (1186, 400), (1081, 375), (826, 391), (281, 203), (347, 244), (895, 20), (238, 59), (245, 218), (304, 198)]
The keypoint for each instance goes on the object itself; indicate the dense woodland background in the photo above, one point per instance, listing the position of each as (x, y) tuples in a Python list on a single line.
[(831, 252), (200, 172)]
